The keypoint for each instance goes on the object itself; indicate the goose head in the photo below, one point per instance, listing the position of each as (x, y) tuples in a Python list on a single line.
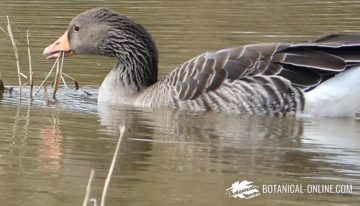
[(101, 31)]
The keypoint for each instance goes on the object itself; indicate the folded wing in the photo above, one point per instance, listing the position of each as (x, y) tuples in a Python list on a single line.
[(305, 65)]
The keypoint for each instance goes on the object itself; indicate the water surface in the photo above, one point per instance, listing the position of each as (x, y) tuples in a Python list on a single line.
[(168, 157)]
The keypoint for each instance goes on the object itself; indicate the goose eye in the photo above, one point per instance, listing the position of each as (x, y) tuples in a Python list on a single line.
[(76, 28)]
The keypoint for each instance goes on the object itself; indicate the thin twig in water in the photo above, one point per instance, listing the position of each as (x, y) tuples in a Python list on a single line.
[(77, 87), (46, 94), (61, 72), (111, 169), (30, 67), (88, 188), (94, 201), (2, 87), (47, 76), (57, 80), (31, 84), (23, 75), (3, 30), (72, 78), (108, 178), (63, 80), (15, 52), (58, 75)]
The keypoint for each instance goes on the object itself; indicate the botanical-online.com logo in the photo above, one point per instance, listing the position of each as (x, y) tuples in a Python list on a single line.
[(247, 190), (243, 190)]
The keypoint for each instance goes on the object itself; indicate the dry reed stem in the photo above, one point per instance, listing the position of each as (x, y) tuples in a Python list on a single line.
[(47, 76), (70, 77), (57, 80), (15, 52), (61, 70), (63, 80), (58, 75), (30, 66), (31, 84), (108, 178), (2, 87), (111, 169), (77, 87), (46, 94), (23, 75), (88, 188), (3, 30)]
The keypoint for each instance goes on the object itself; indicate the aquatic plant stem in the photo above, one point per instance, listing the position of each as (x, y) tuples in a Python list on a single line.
[(4, 31), (15, 52), (57, 79), (88, 188), (46, 94), (58, 75), (72, 78), (111, 169), (2, 87), (63, 80), (30, 66), (47, 76), (61, 70)]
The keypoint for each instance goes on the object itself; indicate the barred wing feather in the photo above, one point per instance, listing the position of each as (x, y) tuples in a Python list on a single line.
[(261, 78)]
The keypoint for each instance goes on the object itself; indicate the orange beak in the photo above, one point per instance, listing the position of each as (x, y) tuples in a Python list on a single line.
[(60, 45)]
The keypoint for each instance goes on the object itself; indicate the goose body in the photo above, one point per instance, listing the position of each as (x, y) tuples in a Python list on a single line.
[(319, 77)]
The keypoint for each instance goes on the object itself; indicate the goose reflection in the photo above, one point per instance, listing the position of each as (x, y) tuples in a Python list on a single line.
[(169, 148), (220, 142)]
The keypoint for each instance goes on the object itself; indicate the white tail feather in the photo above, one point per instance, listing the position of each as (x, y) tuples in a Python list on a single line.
[(338, 96)]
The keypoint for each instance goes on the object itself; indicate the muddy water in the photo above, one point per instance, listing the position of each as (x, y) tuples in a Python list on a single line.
[(168, 158)]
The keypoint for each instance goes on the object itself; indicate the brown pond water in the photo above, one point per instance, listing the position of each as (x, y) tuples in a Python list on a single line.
[(168, 157)]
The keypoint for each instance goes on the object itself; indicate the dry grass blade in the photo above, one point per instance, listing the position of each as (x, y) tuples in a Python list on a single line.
[(111, 169), (23, 75), (88, 188), (61, 71), (30, 67), (77, 87), (108, 178), (31, 84), (15, 52), (47, 76), (64, 82), (57, 79), (58, 75), (3, 30)]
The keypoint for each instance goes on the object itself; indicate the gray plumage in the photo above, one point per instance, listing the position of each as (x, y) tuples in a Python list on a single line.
[(255, 79)]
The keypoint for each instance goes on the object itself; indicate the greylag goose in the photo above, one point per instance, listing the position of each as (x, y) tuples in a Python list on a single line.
[(320, 77)]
